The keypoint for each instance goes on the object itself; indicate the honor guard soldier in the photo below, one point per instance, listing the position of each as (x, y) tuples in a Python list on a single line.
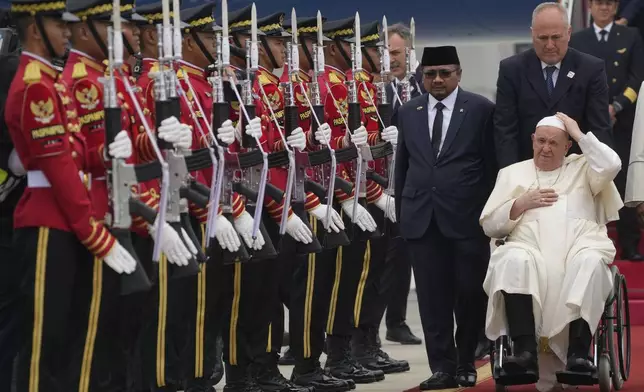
[(308, 284), (86, 65), (341, 319), (54, 220), (239, 29), (622, 50), (365, 345)]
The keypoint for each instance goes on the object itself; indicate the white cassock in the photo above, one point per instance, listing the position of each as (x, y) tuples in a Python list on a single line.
[(635, 178), (559, 254)]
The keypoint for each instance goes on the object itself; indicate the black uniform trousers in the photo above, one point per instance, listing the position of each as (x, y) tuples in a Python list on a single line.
[(349, 277), (249, 297), (11, 304), (396, 281), (207, 310), (628, 229), (305, 288), (70, 299), (370, 299), (449, 277)]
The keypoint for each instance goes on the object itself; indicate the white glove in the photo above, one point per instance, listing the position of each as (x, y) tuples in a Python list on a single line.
[(297, 139), (390, 134), (120, 260), (358, 137), (15, 164), (244, 226), (254, 128), (121, 147), (319, 213), (323, 134), (298, 230), (226, 234), (172, 131), (226, 133), (185, 138), (363, 218), (388, 205), (172, 245)]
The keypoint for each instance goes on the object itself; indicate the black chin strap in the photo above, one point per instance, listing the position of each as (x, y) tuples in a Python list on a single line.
[(127, 45), (201, 46), (97, 38), (369, 60), (269, 52), (237, 45), (41, 27), (343, 52), (307, 53)]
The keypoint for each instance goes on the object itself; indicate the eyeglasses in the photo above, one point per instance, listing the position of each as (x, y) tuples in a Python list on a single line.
[(444, 73)]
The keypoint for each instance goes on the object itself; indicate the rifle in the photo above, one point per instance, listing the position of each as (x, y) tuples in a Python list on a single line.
[(253, 184), (323, 160), (353, 122), (120, 178)]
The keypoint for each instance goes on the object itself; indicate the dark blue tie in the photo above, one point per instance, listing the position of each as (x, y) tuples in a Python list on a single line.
[(550, 83)]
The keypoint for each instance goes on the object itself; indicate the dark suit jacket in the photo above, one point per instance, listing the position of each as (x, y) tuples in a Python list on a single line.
[(581, 91), (633, 11), (453, 188), (623, 55)]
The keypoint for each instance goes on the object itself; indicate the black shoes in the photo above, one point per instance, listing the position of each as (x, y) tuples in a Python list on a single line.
[(437, 381), (402, 334), (321, 381), (366, 350)]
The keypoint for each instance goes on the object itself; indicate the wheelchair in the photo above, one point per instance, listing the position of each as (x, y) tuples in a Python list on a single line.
[(611, 348)]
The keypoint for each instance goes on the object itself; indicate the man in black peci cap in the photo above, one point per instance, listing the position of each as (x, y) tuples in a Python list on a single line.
[(445, 171)]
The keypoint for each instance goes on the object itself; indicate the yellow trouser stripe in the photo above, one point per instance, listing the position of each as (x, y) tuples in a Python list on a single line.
[(161, 325), (366, 262), (39, 308), (269, 344), (334, 293), (308, 304), (201, 311), (234, 315), (92, 326)]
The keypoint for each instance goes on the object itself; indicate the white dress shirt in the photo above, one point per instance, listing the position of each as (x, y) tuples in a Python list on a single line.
[(449, 102), (555, 74), (598, 29)]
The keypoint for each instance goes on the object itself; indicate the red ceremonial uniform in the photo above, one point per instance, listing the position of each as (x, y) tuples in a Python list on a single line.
[(82, 74), (202, 90), (366, 93), (44, 126), (275, 98)]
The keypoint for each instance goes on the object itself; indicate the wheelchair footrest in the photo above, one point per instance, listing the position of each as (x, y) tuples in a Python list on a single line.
[(505, 378), (577, 378)]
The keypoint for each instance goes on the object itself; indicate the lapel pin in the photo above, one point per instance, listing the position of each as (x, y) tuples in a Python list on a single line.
[(419, 108), (571, 74), (461, 110)]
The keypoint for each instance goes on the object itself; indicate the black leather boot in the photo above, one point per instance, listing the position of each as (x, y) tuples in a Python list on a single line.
[(341, 364), (580, 340), (287, 359), (269, 378), (366, 350), (310, 373), (238, 379)]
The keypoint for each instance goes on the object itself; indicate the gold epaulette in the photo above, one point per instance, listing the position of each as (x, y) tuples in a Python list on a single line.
[(32, 73), (79, 71), (263, 79)]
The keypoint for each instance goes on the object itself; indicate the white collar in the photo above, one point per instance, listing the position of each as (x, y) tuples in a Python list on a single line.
[(41, 59), (83, 54), (544, 65), (607, 28), (191, 65), (449, 101)]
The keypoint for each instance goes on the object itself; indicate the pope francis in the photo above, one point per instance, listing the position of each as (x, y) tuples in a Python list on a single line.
[(550, 280)]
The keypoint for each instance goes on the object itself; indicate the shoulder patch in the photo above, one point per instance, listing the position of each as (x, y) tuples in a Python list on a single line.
[(32, 73), (41, 121)]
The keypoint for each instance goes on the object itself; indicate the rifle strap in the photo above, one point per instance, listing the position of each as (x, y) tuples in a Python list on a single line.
[(307, 53)]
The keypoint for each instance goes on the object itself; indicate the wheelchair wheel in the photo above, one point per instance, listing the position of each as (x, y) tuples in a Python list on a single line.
[(605, 382), (623, 329)]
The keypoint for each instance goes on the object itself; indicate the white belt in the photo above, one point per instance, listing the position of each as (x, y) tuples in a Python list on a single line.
[(37, 179)]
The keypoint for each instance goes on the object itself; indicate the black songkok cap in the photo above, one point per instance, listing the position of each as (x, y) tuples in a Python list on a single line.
[(440, 55)]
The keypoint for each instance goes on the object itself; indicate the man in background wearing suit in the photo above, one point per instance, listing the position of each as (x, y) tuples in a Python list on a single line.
[(622, 50), (445, 171), (396, 278), (547, 79), (631, 13)]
